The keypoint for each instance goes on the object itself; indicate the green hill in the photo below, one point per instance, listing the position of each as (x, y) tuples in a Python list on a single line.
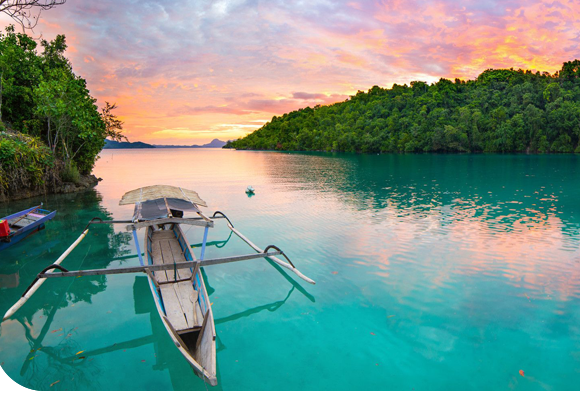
[(502, 110)]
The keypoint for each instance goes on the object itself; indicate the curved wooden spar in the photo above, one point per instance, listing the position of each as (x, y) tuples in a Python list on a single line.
[(276, 260), (30, 291)]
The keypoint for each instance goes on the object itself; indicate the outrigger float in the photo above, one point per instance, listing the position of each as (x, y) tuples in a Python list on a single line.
[(173, 271)]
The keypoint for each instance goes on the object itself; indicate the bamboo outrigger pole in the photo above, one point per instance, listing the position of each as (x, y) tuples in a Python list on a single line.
[(49, 272), (288, 266), (38, 283)]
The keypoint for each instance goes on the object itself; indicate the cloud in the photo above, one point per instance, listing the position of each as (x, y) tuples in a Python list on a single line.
[(202, 63), (187, 110), (308, 96)]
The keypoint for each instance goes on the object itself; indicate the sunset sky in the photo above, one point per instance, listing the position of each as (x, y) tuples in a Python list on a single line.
[(185, 72)]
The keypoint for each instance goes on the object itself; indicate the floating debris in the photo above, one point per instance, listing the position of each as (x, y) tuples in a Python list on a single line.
[(521, 372), (56, 330), (54, 383), (82, 351)]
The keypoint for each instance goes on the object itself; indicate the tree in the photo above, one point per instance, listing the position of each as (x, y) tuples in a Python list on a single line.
[(113, 126), (19, 73), (75, 130), (27, 12), (501, 111)]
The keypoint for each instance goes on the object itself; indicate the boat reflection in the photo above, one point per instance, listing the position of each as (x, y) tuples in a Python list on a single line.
[(74, 369), (268, 307)]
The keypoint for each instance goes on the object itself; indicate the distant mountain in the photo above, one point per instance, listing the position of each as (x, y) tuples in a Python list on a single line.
[(214, 144), (111, 144)]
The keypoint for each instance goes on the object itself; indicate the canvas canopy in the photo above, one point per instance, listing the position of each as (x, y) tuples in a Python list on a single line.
[(156, 192), (154, 209)]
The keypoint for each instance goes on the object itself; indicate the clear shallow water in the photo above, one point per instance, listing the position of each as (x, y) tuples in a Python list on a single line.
[(433, 272)]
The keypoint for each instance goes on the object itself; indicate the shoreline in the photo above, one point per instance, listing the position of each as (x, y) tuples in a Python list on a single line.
[(85, 183)]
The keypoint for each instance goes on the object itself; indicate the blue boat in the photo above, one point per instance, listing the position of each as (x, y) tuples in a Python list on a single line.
[(24, 223)]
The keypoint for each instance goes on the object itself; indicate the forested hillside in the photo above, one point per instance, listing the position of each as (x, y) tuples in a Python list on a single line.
[(500, 111)]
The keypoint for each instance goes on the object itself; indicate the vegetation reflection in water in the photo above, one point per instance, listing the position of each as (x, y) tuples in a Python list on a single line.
[(433, 272)]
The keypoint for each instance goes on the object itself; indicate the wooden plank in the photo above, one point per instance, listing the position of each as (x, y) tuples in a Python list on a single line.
[(173, 307), (206, 218), (163, 234), (161, 221), (148, 272), (179, 301), (205, 347), (195, 271), (156, 253), (167, 259), (176, 338), (156, 267), (176, 250), (157, 257), (198, 313), (118, 221), (224, 260), (187, 246), (179, 257), (187, 297), (128, 221)]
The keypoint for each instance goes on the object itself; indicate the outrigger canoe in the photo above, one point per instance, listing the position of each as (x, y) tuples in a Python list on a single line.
[(173, 270), (16, 227)]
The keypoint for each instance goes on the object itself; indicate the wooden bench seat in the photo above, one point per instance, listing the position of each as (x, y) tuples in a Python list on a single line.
[(165, 249)]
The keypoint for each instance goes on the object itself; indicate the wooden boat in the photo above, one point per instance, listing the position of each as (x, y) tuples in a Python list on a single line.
[(173, 271), (22, 224), (182, 300)]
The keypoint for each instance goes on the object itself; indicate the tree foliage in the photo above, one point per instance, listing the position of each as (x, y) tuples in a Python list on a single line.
[(26, 162), (40, 95), (502, 111), (113, 125)]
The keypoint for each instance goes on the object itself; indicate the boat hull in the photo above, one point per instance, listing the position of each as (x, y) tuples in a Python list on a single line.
[(34, 222), (194, 337)]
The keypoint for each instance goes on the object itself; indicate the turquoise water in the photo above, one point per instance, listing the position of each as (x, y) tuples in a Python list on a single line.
[(437, 272)]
